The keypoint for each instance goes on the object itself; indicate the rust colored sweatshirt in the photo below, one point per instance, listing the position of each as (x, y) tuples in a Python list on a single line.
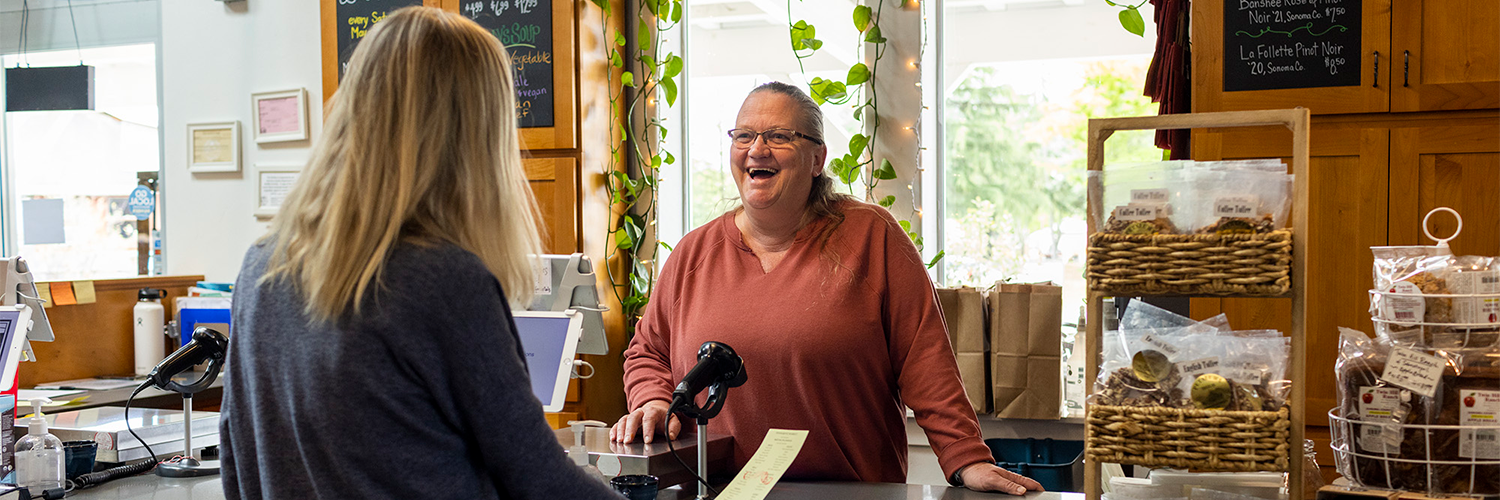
[(834, 349)]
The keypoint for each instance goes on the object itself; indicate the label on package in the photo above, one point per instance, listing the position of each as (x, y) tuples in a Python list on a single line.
[(1192, 369), (1236, 206), (1413, 370), (1161, 345), (1479, 409), (1378, 405), (1476, 310), (1135, 212), (1403, 309), (1244, 372), (1148, 196)]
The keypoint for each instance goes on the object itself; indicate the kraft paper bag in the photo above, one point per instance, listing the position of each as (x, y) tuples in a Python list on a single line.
[(1028, 387), (1026, 320), (973, 369), (963, 311)]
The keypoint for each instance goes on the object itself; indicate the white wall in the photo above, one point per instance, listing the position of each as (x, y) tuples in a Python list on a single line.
[(214, 55)]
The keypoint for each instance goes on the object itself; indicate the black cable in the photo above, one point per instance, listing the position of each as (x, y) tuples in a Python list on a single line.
[(138, 390), (21, 42), (76, 46), (97, 478), (685, 467)]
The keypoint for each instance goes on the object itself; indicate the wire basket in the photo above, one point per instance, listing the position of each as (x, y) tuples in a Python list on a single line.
[(1191, 264), (1392, 322), (1419, 463)]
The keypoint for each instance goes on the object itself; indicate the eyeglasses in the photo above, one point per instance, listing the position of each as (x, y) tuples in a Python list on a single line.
[(744, 137)]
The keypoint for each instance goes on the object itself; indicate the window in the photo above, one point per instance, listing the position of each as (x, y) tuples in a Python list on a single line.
[(68, 174)]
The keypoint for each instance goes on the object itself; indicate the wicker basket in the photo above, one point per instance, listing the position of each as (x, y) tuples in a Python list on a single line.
[(1203, 440), (1191, 264)]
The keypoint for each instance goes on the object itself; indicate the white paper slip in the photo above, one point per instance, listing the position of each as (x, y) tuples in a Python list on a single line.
[(58, 396), (91, 384), (770, 461), (1415, 371)]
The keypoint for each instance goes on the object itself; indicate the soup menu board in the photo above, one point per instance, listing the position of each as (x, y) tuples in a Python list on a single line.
[(1288, 44), (353, 20), (524, 27)]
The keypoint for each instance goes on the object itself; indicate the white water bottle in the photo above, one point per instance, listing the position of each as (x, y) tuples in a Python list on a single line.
[(150, 316)]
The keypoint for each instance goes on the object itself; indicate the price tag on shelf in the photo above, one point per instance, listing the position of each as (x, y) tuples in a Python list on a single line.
[(1415, 371)]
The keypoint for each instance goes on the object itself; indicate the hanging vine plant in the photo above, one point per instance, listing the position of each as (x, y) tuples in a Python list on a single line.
[(648, 79)]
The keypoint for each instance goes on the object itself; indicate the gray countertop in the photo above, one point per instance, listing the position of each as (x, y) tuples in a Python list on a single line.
[(152, 487)]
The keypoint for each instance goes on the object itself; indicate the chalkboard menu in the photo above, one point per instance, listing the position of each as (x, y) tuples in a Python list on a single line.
[(1287, 44), (524, 27), (355, 18)]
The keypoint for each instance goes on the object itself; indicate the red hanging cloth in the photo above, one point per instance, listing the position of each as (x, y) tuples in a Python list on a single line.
[(1168, 81)]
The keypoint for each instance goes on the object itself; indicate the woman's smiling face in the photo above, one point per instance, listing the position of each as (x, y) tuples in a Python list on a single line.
[(774, 177)]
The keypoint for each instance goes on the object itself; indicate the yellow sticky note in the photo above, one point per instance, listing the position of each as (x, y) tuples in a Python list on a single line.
[(83, 292), (45, 292), (62, 293), (766, 467)]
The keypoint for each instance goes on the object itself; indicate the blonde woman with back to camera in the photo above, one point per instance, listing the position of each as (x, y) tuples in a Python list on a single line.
[(374, 354)]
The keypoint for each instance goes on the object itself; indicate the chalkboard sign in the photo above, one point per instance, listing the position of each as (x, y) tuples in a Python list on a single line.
[(524, 27), (354, 19), (1288, 44)]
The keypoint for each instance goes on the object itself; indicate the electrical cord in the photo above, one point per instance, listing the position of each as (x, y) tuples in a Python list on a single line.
[(690, 470), (138, 390)]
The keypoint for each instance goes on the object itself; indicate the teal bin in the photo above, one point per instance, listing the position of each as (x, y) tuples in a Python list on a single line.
[(1057, 464)]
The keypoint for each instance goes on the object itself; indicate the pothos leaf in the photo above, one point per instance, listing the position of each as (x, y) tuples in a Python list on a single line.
[(858, 73), (615, 60), (628, 79), (886, 170), (643, 34), (1130, 18), (674, 66), (888, 201), (619, 39), (935, 259), (670, 88), (873, 35), (861, 17)]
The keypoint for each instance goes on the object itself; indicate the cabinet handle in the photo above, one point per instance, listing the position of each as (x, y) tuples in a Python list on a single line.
[(1376, 81), (1406, 68)]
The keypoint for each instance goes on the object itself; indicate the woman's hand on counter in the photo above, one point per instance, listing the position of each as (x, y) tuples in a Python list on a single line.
[(648, 420), (990, 477)]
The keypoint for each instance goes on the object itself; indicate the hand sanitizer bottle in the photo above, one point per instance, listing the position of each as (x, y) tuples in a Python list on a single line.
[(39, 455), (580, 452)]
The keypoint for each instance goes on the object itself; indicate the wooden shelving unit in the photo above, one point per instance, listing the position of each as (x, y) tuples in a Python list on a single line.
[(1297, 121)]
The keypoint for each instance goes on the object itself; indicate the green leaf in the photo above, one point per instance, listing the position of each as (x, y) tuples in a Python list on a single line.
[(886, 170), (673, 66), (615, 60), (665, 245), (858, 73), (1130, 18), (648, 65), (801, 25), (643, 33), (858, 111), (861, 17), (857, 143), (670, 87), (935, 259), (888, 201), (670, 159), (632, 230), (905, 225), (651, 6), (619, 39), (623, 241), (656, 161), (915, 239), (873, 36), (650, 180), (640, 276), (676, 11), (628, 79)]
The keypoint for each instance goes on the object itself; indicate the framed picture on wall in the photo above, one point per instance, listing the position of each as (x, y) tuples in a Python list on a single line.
[(214, 147), (279, 116), (272, 184)]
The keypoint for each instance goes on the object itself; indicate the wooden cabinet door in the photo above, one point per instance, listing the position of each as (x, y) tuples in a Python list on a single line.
[(1455, 166), (1347, 215), (554, 183), (1372, 61), (1446, 55)]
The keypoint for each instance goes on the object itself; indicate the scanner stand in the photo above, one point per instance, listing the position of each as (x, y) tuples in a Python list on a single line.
[(187, 466)]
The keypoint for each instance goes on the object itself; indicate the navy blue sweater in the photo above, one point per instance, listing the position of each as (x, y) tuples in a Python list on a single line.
[(424, 394)]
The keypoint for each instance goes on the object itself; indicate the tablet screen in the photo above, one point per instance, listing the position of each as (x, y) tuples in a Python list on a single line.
[(546, 343), (7, 332)]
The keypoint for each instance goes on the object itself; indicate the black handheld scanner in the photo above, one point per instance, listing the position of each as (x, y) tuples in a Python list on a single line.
[(717, 365), (207, 345)]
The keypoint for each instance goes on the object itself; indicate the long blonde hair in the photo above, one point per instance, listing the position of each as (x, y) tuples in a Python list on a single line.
[(419, 146)]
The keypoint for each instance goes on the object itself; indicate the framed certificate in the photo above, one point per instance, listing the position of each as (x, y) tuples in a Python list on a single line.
[(272, 185), (214, 147), (280, 116)]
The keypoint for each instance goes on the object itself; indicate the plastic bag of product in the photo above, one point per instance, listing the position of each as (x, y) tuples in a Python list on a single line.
[(1142, 316), (1235, 197), (1252, 363), (1181, 368), (1477, 317), (1418, 299), (1136, 198)]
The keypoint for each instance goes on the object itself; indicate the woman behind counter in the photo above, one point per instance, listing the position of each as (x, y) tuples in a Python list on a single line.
[(373, 354), (829, 304)]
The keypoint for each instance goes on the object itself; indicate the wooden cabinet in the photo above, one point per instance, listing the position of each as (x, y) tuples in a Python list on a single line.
[(1347, 213), (1446, 55), (554, 183), (1415, 55), (1453, 163)]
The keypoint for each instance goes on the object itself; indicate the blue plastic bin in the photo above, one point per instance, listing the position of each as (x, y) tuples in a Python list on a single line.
[(1057, 464)]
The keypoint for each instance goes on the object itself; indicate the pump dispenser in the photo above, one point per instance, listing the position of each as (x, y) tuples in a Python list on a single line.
[(579, 452), (39, 455)]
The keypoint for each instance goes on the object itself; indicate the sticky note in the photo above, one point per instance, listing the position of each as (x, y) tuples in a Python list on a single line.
[(45, 293), (766, 467), (83, 292), (62, 293)]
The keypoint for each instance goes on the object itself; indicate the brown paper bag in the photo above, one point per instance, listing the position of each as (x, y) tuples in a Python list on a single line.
[(1026, 320), (1027, 386), (963, 311)]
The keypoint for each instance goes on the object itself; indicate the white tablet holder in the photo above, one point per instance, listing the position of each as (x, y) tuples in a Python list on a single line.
[(565, 282)]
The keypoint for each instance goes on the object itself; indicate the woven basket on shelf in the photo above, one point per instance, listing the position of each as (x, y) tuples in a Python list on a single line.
[(1191, 264), (1205, 440)]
